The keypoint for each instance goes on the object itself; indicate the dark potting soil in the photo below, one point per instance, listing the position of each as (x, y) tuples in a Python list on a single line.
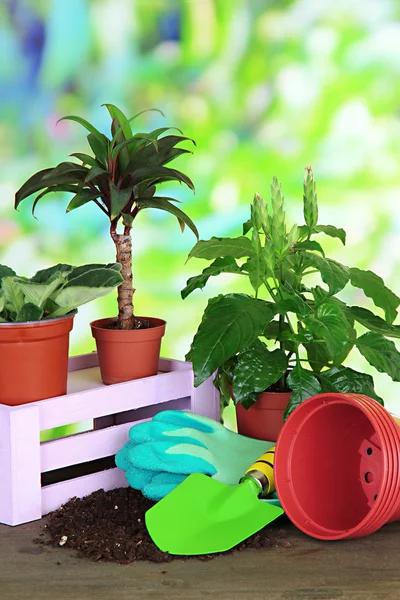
[(110, 526), (137, 324)]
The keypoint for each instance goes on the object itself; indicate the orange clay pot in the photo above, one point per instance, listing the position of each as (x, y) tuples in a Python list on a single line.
[(34, 360), (264, 419), (127, 355)]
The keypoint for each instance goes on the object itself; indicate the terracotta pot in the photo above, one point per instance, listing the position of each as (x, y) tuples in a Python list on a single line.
[(34, 360), (264, 419), (127, 355)]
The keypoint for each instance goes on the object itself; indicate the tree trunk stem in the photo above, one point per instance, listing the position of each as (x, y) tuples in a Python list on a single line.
[(123, 245)]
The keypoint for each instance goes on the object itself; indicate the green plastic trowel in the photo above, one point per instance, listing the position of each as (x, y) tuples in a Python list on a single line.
[(202, 515)]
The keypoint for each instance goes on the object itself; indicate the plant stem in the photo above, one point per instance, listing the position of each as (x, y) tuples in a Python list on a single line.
[(123, 246)]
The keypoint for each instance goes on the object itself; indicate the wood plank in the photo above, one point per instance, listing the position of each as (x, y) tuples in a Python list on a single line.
[(53, 496), (83, 447)]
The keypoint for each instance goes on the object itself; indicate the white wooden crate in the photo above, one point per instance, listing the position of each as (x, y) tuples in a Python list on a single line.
[(28, 466)]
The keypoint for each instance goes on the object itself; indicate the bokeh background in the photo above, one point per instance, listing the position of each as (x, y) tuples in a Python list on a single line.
[(264, 87)]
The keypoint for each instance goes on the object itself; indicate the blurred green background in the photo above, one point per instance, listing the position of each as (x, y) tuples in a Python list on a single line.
[(265, 87)]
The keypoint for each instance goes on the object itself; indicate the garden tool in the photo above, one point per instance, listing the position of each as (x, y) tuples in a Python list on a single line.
[(162, 452), (333, 442), (202, 515)]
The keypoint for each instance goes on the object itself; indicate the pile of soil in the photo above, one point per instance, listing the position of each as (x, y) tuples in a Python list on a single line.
[(110, 526)]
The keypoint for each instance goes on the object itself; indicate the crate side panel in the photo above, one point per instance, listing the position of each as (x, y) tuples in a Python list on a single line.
[(113, 399), (83, 447), (20, 498), (53, 496)]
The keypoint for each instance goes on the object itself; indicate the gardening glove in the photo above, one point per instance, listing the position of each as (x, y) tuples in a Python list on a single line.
[(162, 452)]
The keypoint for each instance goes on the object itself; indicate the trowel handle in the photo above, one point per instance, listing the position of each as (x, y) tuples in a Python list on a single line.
[(262, 471)]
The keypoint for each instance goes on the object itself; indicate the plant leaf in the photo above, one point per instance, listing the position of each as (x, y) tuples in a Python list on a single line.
[(31, 185), (230, 323), (331, 325), (343, 379), (303, 385), (380, 353), (87, 159), (81, 198), (373, 322), (335, 275), (29, 312), (6, 272), (374, 287), (309, 245), (99, 136), (332, 231), (164, 204), (218, 247), (13, 295), (38, 293), (94, 172), (256, 369), (99, 148), (115, 112), (119, 199), (225, 264), (161, 174)]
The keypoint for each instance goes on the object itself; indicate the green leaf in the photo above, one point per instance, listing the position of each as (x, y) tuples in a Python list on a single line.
[(373, 322), (38, 293), (119, 199), (115, 112), (99, 148), (256, 370), (127, 219), (85, 287), (291, 301), (374, 287), (163, 204), (247, 226), (344, 380), (332, 231), (99, 136), (47, 275), (94, 172), (6, 272), (125, 122), (309, 245), (81, 198), (31, 185), (13, 295), (161, 174), (65, 173), (280, 332), (87, 270), (256, 269), (331, 325), (303, 385), (380, 353), (335, 275), (230, 323), (317, 356), (226, 264), (218, 247), (87, 159), (29, 312)]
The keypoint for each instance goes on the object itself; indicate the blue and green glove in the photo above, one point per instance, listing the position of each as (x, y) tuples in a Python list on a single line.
[(162, 452)]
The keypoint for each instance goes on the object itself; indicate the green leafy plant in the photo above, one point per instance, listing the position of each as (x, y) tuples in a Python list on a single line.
[(53, 292), (298, 336), (121, 178)]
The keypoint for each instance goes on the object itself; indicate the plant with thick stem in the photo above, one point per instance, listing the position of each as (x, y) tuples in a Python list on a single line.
[(300, 335), (121, 178)]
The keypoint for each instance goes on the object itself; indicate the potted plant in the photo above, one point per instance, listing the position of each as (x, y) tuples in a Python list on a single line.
[(36, 316), (289, 340), (120, 178)]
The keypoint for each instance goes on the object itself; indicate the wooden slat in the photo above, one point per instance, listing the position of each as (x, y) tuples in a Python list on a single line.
[(53, 496), (113, 399), (83, 447)]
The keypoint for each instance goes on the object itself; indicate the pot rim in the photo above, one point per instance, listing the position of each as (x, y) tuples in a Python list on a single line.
[(42, 322), (94, 325)]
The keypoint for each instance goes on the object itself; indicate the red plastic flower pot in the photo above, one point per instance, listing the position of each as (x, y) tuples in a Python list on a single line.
[(264, 419), (337, 466), (34, 360), (127, 355)]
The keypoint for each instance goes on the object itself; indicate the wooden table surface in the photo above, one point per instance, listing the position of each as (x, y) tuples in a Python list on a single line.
[(364, 569)]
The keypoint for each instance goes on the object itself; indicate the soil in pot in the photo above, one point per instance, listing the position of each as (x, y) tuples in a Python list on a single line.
[(110, 526)]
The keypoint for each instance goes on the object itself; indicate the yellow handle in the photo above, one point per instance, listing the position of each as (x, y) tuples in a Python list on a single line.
[(263, 471)]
